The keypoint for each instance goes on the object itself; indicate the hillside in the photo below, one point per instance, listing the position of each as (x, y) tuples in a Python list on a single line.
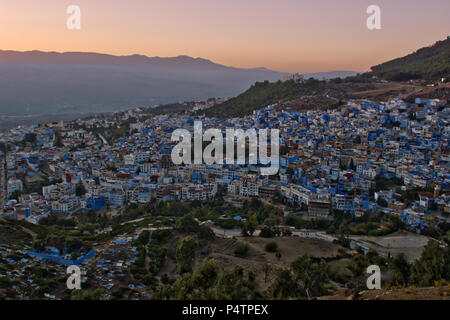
[(426, 63), (306, 95), (330, 75)]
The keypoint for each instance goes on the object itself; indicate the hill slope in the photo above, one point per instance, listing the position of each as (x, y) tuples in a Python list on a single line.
[(306, 95), (330, 75), (426, 63)]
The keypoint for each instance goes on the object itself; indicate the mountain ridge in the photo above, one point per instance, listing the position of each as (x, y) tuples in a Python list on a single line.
[(78, 57), (38, 82)]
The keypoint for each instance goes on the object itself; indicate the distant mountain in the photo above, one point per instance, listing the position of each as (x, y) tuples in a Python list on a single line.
[(99, 59), (427, 63), (38, 82), (330, 75)]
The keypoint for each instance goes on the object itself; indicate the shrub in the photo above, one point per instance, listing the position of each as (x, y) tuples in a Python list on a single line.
[(160, 235), (205, 232), (242, 250), (271, 246), (267, 233)]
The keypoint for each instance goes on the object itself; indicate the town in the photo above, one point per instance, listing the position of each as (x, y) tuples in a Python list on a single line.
[(329, 160), (367, 159)]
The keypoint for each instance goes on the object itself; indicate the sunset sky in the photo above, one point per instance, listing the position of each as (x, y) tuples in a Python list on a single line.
[(284, 35)]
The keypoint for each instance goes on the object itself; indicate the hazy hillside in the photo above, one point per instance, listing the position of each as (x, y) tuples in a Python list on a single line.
[(65, 83), (427, 63)]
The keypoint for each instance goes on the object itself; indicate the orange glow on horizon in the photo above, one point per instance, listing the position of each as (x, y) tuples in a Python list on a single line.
[(284, 35)]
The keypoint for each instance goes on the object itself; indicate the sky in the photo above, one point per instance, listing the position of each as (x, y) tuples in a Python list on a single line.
[(285, 35)]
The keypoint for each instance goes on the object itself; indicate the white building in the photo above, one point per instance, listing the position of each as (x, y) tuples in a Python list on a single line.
[(14, 185)]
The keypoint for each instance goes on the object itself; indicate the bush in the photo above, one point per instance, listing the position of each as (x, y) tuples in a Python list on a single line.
[(160, 235), (267, 233), (188, 224), (143, 238), (242, 250), (271, 246), (157, 255), (205, 232)]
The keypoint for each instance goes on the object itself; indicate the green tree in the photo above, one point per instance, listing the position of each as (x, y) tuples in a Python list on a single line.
[(235, 284), (188, 224), (433, 265), (311, 274), (210, 281), (186, 254), (284, 286), (359, 265), (402, 270), (251, 223), (205, 276)]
